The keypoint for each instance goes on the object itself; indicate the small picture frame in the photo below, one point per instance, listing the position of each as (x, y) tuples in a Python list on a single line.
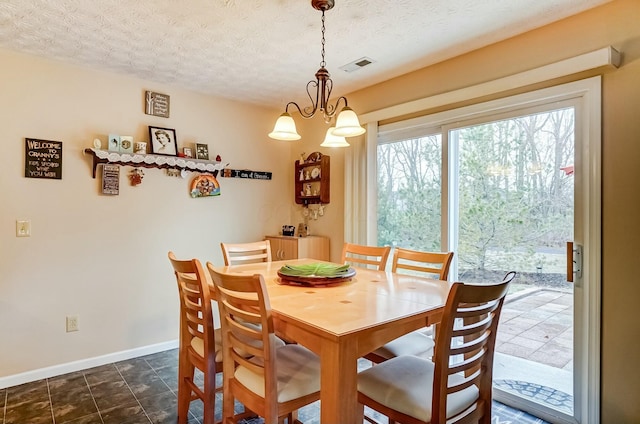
[(163, 141), (202, 151), (126, 144), (113, 144), (140, 147), (188, 153)]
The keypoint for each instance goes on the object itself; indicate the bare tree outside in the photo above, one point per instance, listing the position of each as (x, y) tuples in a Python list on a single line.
[(515, 196)]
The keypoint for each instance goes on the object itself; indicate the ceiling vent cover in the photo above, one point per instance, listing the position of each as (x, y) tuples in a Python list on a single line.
[(357, 64)]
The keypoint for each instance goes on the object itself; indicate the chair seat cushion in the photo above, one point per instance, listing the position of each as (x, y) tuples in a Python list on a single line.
[(405, 384), (415, 343), (198, 344), (298, 371)]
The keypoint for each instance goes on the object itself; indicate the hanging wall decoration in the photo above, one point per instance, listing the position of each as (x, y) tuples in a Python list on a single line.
[(156, 104), (43, 159), (205, 185), (245, 173), (135, 176), (110, 179)]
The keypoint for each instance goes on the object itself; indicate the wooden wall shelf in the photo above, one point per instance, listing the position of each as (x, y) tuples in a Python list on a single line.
[(153, 161), (312, 180)]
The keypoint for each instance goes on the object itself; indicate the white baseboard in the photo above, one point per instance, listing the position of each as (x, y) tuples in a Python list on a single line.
[(39, 374)]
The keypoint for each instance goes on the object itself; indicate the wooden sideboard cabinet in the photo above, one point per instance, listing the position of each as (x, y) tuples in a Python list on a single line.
[(287, 247)]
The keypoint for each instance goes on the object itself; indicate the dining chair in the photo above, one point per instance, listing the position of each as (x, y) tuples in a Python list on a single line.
[(364, 256), (456, 386), (419, 342), (275, 381), (200, 344), (244, 253), (435, 263)]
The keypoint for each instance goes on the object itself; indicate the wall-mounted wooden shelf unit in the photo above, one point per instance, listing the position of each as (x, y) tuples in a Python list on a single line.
[(312, 180)]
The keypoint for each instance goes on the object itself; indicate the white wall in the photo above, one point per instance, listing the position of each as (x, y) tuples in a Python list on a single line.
[(104, 258)]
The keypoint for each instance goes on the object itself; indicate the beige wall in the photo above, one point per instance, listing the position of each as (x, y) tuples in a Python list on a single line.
[(101, 257), (105, 257), (616, 24)]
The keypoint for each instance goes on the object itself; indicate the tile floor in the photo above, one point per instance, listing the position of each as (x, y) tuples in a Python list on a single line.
[(538, 326), (137, 391)]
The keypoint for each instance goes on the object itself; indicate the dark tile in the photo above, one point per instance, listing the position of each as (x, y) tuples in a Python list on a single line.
[(162, 359), (169, 374), (62, 384), (87, 419), (36, 391), (172, 383), (167, 416), (111, 394), (72, 404), (132, 414), (146, 383), (133, 367), (196, 408), (37, 412), (68, 376), (163, 401), (105, 373)]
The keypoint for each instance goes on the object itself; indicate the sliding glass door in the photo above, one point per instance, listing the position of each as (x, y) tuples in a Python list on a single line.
[(505, 185), (515, 212)]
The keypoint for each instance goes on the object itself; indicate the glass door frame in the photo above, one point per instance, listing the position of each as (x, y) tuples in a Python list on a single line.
[(586, 96)]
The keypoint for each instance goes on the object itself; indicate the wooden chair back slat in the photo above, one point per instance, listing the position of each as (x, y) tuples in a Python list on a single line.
[(435, 263), (366, 256), (244, 253)]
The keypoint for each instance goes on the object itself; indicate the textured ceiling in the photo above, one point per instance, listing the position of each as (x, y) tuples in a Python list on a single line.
[(265, 51)]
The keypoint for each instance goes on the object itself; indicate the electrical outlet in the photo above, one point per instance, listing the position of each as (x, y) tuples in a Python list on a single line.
[(23, 228), (72, 323)]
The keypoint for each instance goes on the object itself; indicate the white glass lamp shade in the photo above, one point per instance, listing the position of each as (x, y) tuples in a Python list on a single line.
[(331, 140), (347, 124), (285, 129)]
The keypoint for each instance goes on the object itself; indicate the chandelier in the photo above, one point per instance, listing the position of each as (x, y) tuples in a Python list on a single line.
[(347, 123)]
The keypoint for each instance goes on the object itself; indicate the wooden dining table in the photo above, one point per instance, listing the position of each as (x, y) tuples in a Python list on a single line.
[(344, 321)]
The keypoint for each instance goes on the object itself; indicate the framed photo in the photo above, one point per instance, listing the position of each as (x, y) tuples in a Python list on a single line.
[(126, 144), (163, 141), (202, 151), (188, 153)]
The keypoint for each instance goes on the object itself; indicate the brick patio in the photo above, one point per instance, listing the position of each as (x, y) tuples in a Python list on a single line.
[(537, 325)]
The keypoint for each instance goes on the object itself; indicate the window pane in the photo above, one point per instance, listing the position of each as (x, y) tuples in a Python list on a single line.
[(409, 193), (516, 197)]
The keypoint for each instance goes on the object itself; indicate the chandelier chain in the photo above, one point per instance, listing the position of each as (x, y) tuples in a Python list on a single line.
[(322, 63)]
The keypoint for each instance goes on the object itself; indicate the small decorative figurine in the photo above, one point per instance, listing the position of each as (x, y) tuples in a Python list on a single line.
[(302, 175), (302, 157), (307, 190), (136, 176)]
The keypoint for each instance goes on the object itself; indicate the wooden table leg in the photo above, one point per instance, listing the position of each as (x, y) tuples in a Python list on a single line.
[(338, 382)]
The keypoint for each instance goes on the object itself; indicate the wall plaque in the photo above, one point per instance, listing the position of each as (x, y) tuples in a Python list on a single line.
[(245, 173), (43, 159), (157, 104), (110, 179)]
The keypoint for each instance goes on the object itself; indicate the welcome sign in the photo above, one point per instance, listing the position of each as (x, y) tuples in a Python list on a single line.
[(43, 159)]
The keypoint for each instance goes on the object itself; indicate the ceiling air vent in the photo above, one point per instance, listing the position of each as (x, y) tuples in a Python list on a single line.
[(357, 64)]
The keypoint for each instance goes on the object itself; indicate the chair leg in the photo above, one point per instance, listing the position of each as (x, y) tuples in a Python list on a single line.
[(209, 400), (185, 374)]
